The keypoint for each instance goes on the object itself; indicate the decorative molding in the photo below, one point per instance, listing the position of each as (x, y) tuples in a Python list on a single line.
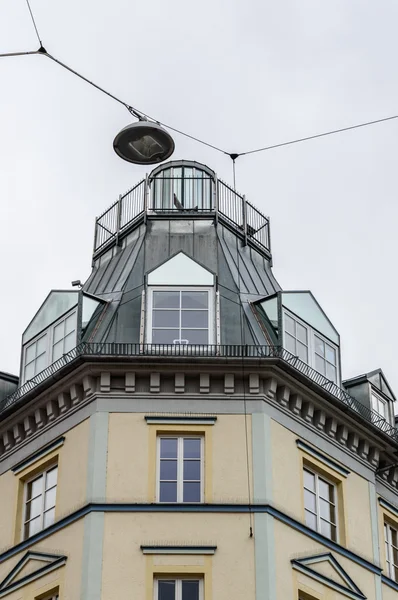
[(9, 584), (39, 454), (393, 509), (176, 420), (178, 549), (390, 582), (322, 457)]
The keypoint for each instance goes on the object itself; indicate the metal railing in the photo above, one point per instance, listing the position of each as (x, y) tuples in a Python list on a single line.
[(215, 198), (202, 351)]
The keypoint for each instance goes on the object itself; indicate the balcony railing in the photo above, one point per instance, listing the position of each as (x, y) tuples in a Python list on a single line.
[(203, 351), (202, 196)]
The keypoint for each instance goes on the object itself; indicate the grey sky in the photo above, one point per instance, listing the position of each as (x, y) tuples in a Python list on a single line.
[(240, 74)]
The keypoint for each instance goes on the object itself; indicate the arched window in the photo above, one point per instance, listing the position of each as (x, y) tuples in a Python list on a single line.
[(183, 187)]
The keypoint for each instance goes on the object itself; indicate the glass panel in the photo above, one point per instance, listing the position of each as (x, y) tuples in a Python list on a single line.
[(191, 492), (331, 372), (41, 363), (57, 304), (89, 307), (309, 501), (319, 346), (41, 345), (33, 508), (195, 336), (326, 490), (324, 510), (190, 590), (194, 318), (49, 498), (70, 342), (192, 448), (168, 470), (188, 188), (165, 336), (191, 470), (70, 323), (319, 364), (301, 333), (290, 343), (35, 488), (310, 520), (330, 354), (166, 590), (194, 299), (302, 352), (30, 353), (309, 480), (168, 299), (168, 447), (49, 517), (326, 529), (289, 325), (57, 350), (29, 371), (166, 318), (59, 332), (51, 478), (304, 305), (32, 527), (168, 491)]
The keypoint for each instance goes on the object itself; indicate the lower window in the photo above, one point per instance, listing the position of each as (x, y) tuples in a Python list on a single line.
[(40, 496), (178, 589), (320, 504), (391, 540)]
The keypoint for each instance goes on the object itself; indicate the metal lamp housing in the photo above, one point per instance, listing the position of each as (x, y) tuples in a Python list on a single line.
[(144, 143)]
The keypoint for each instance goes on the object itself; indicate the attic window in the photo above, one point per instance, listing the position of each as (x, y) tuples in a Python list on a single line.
[(380, 406)]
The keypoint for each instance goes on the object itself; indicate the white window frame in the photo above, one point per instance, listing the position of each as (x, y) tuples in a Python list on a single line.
[(178, 588), (211, 311), (311, 333), (376, 398), (317, 497), (43, 494), (389, 550), (180, 465), (49, 332)]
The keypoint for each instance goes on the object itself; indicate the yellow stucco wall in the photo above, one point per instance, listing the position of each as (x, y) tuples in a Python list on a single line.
[(131, 469), (126, 568), (354, 510), (69, 542)]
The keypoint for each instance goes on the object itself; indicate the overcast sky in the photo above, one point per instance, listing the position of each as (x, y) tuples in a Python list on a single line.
[(239, 74)]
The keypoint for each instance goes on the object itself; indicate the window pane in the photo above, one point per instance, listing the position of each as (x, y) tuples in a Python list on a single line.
[(190, 590), (70, 342), (49, 517), (165, 336), (195, 336), (325, 510), (302, 352), (192, 448), (35, 488), (309, 501), (331, 372), (166, 590), (290, 343), (59, 332), (301, 333), (168, 447), (30, 353), (310, 520), (32, 527), (326, 529), (33, 508), (49, 498), (51, 478), (168, 299), (168, 492), (70, 324), (41, 363), (29, 371), (331, 354), (319, 345), (309, 480), (191, 492), (166, 318), (194, 299), (58, 350), (194, 318), (41, 345), (191, 470), (319, 364), (326, 490), (168, 470), (289, 325)]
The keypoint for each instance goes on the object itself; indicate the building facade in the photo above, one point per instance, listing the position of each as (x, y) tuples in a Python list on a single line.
[(180, 429)]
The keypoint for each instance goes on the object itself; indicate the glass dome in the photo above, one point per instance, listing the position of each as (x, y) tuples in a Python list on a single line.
[(182, 185)]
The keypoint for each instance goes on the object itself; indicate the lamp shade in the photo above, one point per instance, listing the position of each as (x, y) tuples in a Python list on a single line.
[(144, 143)]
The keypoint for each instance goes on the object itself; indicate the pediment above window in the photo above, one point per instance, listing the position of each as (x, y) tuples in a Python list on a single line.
[(31, 566), (181, 270)]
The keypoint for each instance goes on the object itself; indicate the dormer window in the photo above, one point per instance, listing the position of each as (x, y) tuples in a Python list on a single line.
[(380, 406)]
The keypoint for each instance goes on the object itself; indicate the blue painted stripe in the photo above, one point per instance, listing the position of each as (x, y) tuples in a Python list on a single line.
[(323, 457), (192, 508), (388, 506), (390, 582), (33, 457)]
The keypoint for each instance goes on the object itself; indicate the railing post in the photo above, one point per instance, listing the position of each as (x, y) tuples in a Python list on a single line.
[(146, 193), (216, 199), (118, 218), (244, 214), (95, 240)]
